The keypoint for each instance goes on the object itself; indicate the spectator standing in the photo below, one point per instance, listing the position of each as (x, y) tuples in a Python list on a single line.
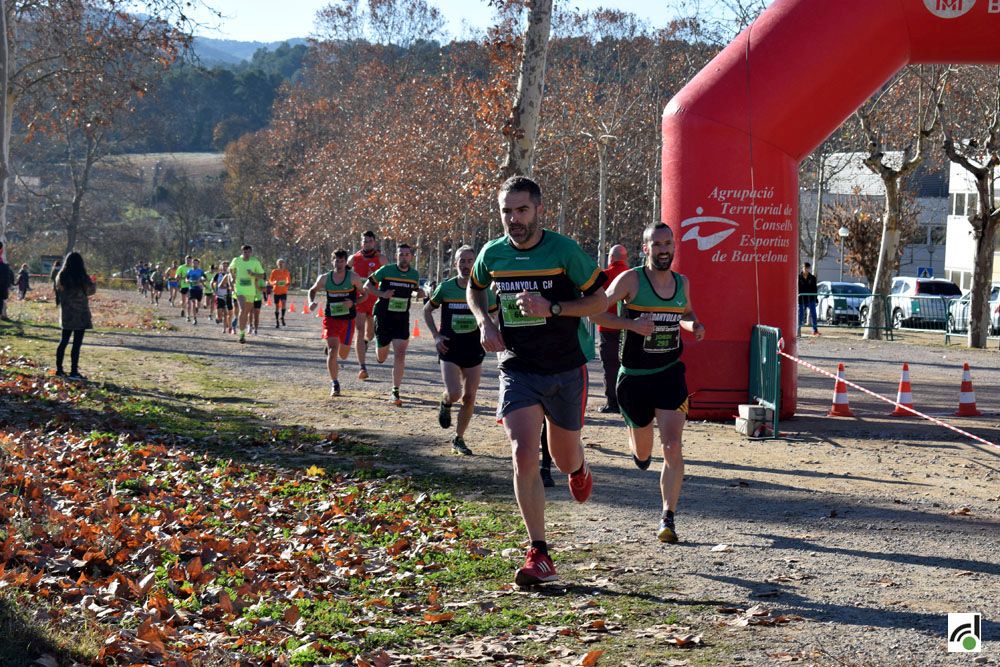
[(611, 338), (23, 282), (75, 288), (56, 266), (807, 296)]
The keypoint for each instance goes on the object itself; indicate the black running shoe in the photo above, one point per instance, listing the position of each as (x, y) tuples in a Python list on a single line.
[(459, 447), (667, 533), (444, 414), (547, 480)]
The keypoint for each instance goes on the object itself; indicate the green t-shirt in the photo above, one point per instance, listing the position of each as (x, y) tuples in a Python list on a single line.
[(181, 275), (402, 283), (456, 318), (246, 283), (557, 269)]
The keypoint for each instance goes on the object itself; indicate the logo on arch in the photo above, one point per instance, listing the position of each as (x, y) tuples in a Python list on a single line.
[(949, 9), (707, 230)]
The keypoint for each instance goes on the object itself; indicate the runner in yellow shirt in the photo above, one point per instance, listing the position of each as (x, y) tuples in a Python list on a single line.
[(246, 270)]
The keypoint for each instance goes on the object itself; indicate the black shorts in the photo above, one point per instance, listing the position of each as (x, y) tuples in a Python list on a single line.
[(640, 396), (389, 328), (464, 355), (184, 290), (282, 298), (225, 302), (257, 305), (158, 287), (195, 294)]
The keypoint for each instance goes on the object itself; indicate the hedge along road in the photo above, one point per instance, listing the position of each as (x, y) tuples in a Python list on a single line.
[(868, 530)]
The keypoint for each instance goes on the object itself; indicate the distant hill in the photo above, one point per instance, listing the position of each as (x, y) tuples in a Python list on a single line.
[(232, 52)]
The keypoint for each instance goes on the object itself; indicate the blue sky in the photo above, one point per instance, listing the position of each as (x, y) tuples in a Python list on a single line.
[(268, 20)]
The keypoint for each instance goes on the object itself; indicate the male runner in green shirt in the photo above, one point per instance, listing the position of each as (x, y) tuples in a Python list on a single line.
[(394, 285), (545, 284), (181, 274), (457, 342), (246, 270), (654, 304)]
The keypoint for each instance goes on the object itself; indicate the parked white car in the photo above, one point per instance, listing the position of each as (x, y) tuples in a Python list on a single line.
[(958, 313), (839, 302), (920, 303)]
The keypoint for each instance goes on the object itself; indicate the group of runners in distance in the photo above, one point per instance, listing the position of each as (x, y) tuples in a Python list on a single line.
[(523, 296)]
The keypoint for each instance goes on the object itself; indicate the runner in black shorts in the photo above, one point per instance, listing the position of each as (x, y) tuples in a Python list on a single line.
[(655, 306), (459, 349), (394, 285), (545, 284)]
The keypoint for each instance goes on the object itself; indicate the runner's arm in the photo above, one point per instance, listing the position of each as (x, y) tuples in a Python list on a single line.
[(689, 321), (315, 287), (374, 290), (489, 332), (623, 287), (536, 305), (429, 309)]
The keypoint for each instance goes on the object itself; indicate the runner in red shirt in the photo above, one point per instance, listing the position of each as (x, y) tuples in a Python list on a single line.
[(610, 338), (364, 263)]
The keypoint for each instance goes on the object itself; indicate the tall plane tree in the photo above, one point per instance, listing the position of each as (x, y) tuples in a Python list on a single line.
[(971, 112), (522, 129)]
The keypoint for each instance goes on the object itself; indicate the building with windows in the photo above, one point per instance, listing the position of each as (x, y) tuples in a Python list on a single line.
[(960, 246)]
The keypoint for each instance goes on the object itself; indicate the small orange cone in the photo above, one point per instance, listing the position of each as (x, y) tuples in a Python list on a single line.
[(318, 311), (291, 306), (840, 407), (904, 397), (416, 329), (967, 397), (305, 306), (268, 300)]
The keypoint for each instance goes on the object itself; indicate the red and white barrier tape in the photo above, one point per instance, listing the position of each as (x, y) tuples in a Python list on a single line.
[(781, 345)]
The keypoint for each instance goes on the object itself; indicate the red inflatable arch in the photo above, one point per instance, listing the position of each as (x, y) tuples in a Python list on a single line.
[(732, 142)]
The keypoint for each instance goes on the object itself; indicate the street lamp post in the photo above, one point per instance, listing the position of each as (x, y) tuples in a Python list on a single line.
[(843, 233)]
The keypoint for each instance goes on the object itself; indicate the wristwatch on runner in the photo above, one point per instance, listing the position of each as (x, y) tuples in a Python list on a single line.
[(555, 309)]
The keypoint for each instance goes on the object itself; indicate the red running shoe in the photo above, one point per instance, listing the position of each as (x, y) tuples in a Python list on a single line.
[(538, 569), (580, 483)]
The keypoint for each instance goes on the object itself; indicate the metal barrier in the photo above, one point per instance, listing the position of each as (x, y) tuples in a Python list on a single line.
[(765, 371)]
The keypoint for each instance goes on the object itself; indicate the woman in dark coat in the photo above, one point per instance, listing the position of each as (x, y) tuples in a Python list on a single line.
[(73, 287)]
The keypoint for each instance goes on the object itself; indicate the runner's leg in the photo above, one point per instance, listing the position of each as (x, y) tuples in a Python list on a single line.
[(671, 426), (522, 427), (332, 349), (470, 383), (398, 360), (452, 376), (361, 343), (565, 446)]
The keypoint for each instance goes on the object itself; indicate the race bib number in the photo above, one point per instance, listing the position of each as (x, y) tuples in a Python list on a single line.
[(398, 304), (462, 324), (245, 282), (512, 316), (280, 283), (336, 309), (665, 338)]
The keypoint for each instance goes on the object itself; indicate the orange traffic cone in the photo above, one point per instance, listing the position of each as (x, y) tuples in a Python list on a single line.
[(291, 306), (318, 311), (904, 397), (305, 306), (268, 301), (840, 407), (416, 329), (966, 396)]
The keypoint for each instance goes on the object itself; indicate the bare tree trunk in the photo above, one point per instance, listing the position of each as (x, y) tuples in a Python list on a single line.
[(820, 191), (602, 200), (522, 127), (5, 117)]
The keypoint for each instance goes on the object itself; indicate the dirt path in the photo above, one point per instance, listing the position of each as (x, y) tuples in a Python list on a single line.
[(870, 529)]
